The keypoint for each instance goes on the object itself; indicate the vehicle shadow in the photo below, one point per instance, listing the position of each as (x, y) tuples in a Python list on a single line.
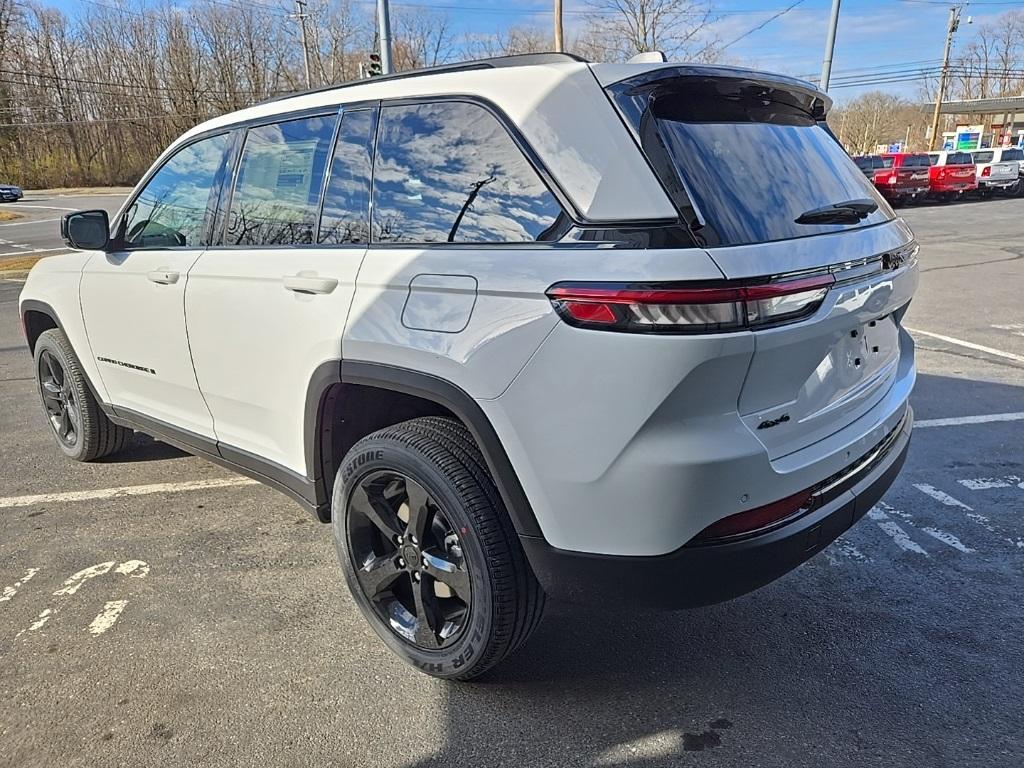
[(144, 448)]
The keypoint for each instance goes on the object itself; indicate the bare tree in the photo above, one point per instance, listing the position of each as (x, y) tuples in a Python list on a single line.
[(878, 118), (422, 39), (622, 28)]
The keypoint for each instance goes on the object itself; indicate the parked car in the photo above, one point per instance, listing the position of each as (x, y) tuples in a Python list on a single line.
[(900, 177), (995, 172), (10, 193), (509, 347), (952, 174), (1011, 155)]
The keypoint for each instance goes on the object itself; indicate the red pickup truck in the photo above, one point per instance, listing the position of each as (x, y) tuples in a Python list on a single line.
[(952, 174), (899, 176)]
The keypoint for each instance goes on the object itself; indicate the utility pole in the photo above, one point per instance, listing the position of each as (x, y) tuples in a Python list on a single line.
[(300, 15), (830, 46), (559, 36), (384, 30), (954, 22)]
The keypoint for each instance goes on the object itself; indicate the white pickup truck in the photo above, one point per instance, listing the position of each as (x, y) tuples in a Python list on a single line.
[(997, 168)]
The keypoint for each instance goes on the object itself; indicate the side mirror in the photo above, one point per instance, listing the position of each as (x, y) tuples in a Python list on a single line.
[(86, 230)]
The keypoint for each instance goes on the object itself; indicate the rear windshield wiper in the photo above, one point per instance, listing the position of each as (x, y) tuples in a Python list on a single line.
[(848, 212)]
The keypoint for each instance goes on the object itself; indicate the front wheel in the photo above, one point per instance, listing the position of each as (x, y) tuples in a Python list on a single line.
[(429, 551), (83, 432)]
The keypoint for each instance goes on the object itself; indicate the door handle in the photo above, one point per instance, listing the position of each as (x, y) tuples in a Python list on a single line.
[(309, 282), (163, 276)]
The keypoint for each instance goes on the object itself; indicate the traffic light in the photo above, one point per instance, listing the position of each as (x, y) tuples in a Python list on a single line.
[(374, 67)]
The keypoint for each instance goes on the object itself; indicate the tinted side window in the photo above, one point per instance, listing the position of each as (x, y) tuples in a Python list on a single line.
[(171, 209), (449, 172), (346, 216), (277, 194)]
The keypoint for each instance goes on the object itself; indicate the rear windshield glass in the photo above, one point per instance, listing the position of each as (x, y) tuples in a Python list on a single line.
[(752, 160), (959, 158), (984, 157), (916, 161), (1013, 154), (886, 162)]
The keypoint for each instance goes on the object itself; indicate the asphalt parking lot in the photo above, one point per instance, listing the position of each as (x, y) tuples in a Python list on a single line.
[(214, 628), (36, 231)]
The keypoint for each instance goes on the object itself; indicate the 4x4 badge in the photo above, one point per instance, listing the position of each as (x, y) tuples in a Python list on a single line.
[(774, 422)]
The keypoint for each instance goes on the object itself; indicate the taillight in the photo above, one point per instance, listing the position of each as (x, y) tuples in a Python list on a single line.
[(986, 171), (691, 308), (753, 520), (893, 178)]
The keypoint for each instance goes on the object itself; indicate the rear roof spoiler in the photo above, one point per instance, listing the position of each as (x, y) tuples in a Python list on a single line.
[(645, 77)]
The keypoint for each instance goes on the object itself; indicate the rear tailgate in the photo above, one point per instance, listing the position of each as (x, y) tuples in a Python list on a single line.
[(1004, 171), (810, 379)]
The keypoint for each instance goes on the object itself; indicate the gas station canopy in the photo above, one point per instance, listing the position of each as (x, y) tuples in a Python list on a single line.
[(1004, 105)]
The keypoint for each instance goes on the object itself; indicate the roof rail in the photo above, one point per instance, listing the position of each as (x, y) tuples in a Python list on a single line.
[(498, 62)]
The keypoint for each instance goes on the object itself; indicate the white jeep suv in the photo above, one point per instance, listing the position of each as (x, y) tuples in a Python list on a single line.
[(520, 328)]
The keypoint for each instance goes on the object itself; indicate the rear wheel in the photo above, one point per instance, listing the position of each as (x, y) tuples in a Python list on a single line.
[(429, 552), (83, 432)]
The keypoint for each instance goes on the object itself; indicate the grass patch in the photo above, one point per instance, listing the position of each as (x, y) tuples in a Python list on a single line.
[(22, 264), (9, 216)]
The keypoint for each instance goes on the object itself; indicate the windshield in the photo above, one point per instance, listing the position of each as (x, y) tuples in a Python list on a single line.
[(751, 163)]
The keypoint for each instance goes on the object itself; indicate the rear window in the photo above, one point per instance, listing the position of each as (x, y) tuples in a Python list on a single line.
[(959, 158), (887, 161), (984, 157), (933, 159), (916, 161), (751, 158), (1013, 154), (864, 163)]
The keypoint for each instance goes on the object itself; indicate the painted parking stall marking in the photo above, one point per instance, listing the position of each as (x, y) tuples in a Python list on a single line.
[(108, 615), (130, 490), (9, 592)]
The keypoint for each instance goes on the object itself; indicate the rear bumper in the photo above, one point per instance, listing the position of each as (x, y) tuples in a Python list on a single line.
[(893, 191), (695, 576)]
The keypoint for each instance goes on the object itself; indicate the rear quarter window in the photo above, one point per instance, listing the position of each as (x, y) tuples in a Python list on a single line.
[(449, 172)]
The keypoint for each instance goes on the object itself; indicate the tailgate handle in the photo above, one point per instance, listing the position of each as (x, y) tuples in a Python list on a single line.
[(163, 276), (309, 282)]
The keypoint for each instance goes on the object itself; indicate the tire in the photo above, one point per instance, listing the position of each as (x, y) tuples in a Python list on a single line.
[(62, 385), (493, 601)]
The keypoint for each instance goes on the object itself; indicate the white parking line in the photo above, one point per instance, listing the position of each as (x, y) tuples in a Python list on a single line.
[(131, 490), (1015, 328), (958, 420), (949, 539), (941, 496), (900, 538), (984, 483), (970, 345), (32, 252), (11, 591), (30, 221), (107, 617), (45, 207)]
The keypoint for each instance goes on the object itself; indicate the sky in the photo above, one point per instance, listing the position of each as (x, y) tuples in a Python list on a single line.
[(877, 39)]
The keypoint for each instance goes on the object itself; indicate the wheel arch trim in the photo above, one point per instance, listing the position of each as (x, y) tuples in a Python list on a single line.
[(427, 387), (35, 305)]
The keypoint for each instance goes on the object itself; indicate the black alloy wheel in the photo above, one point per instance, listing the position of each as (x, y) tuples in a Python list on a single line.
[(408, 560), (59, 399)]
